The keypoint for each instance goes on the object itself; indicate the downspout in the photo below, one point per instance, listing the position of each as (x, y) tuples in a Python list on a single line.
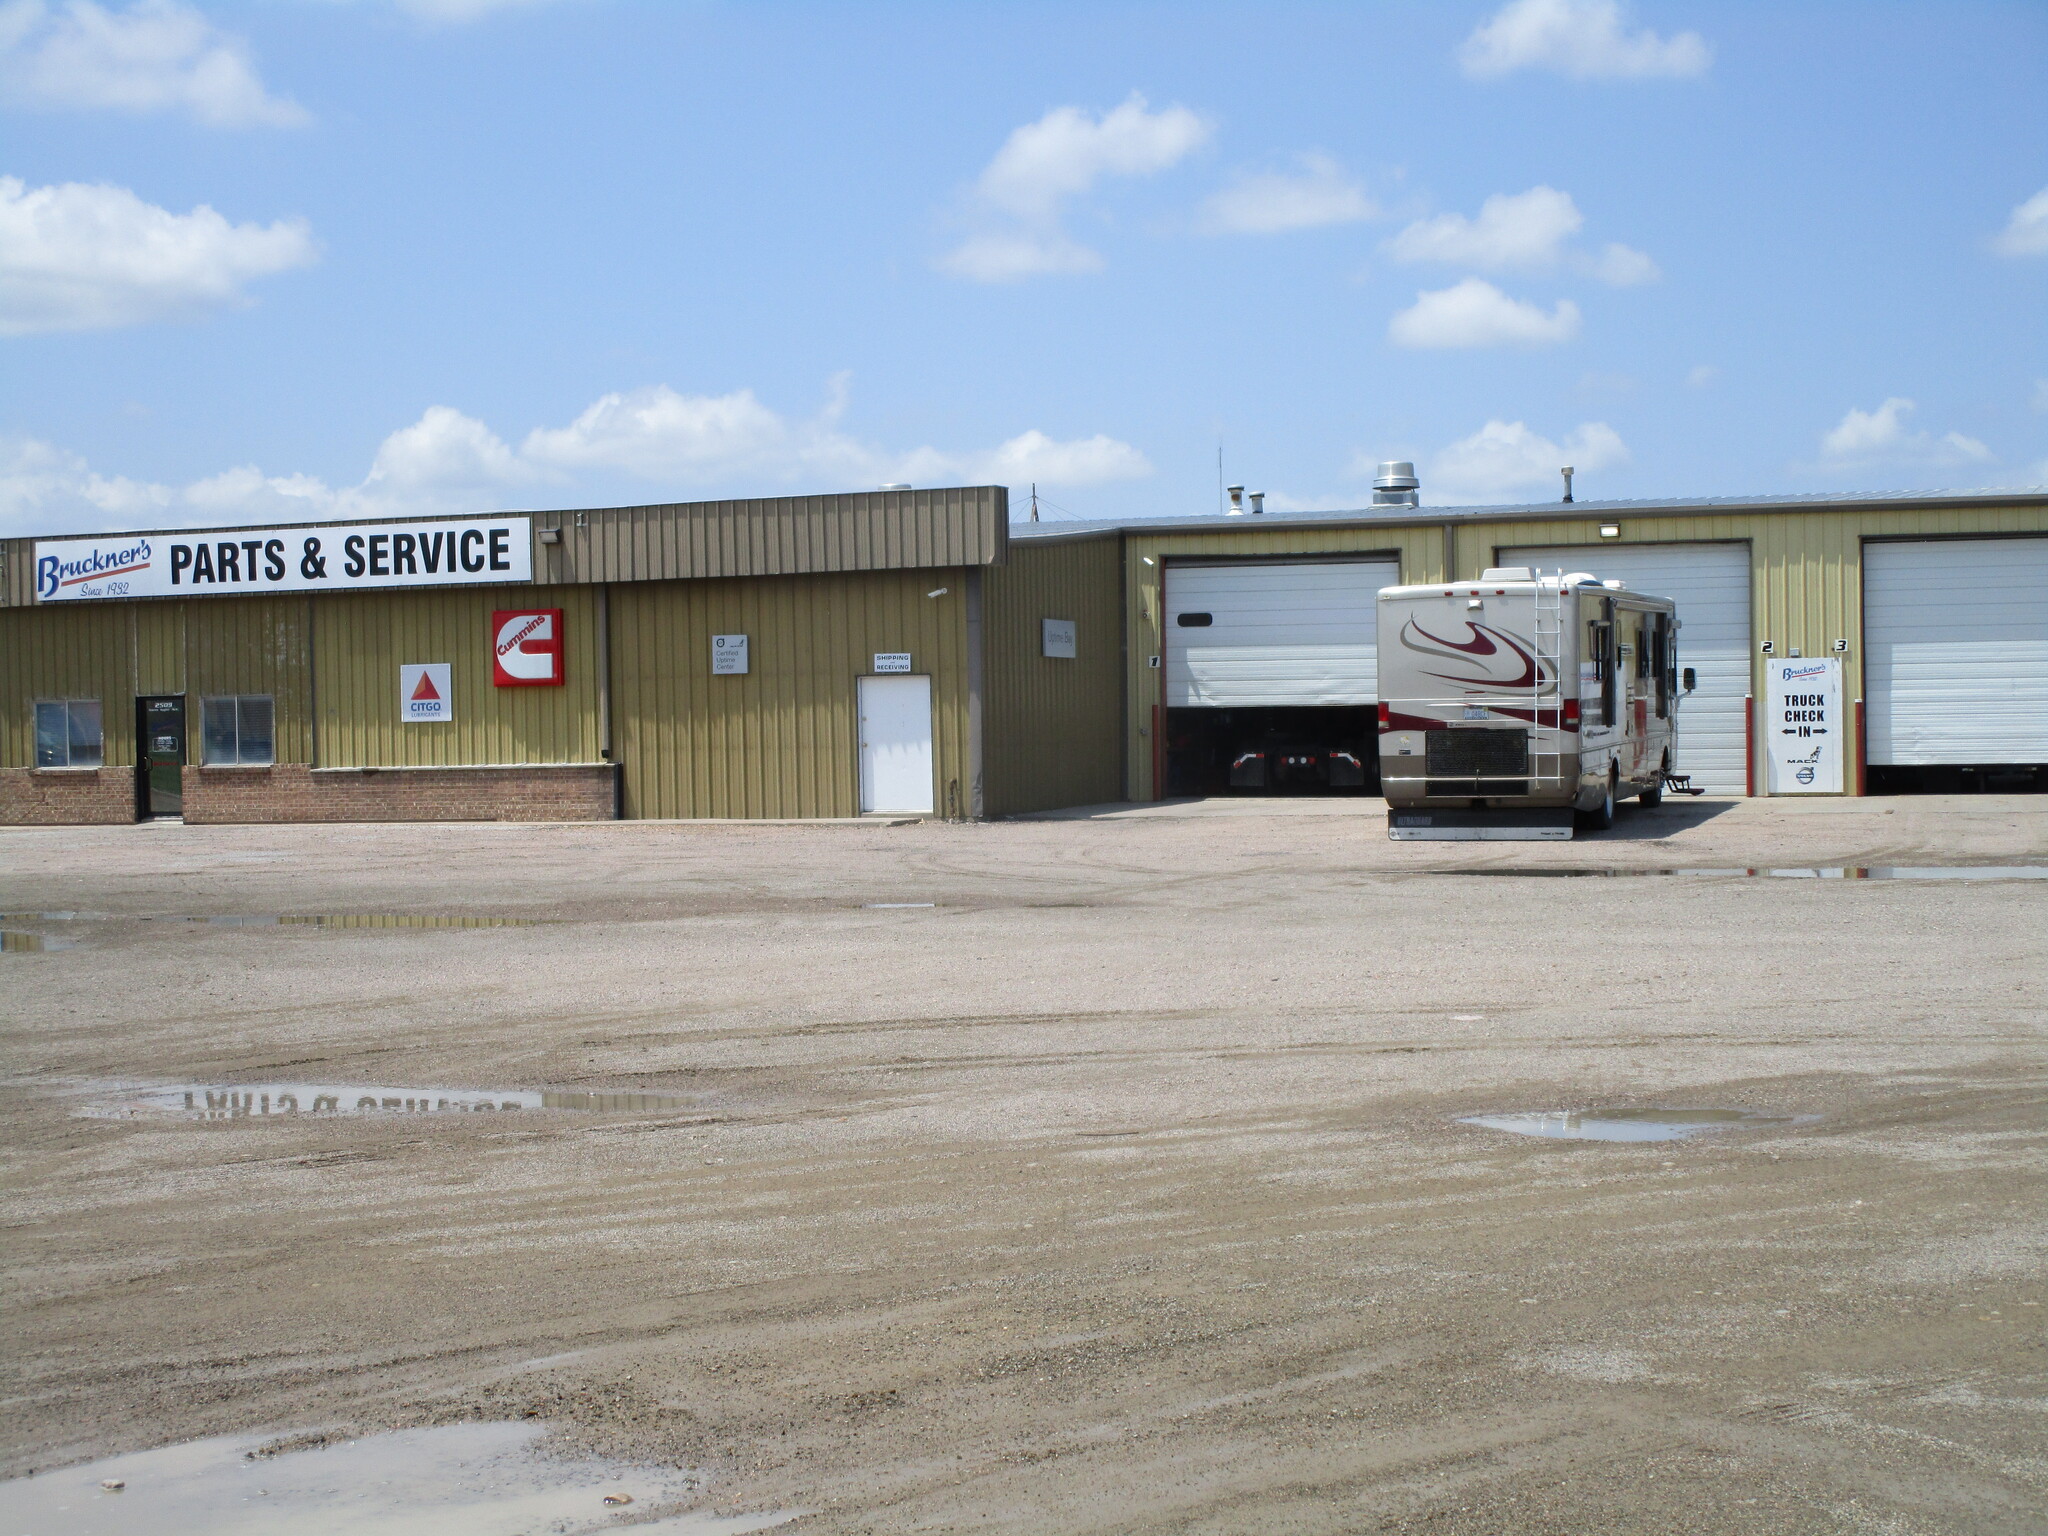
[(1450, 552), (604, 699), (977, 808)]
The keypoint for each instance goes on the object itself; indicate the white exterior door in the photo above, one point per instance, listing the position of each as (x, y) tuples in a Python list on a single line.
[(1274, 632), (896, 744), (1710, 585), (1955, 659)]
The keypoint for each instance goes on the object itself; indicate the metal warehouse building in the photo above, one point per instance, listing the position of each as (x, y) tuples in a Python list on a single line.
[(913, 652)]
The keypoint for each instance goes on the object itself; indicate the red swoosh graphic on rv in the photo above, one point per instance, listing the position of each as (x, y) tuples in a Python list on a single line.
[(1480, 645)]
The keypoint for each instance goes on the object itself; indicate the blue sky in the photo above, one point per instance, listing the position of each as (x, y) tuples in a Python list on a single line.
[(314, 258)]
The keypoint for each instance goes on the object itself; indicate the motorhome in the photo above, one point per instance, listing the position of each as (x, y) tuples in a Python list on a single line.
[(1523, 704)]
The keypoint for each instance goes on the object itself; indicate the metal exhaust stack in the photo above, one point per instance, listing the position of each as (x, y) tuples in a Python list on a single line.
[(1567, 473), (1396, 486), (1258, 502), (1236, 501)]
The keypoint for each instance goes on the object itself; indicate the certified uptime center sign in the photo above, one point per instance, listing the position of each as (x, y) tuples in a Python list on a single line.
[(241, 560)]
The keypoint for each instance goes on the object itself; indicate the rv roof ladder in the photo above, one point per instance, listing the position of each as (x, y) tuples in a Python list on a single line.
[(1546, 748)]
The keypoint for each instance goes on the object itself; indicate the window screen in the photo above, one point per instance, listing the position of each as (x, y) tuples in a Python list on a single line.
[(68, 733), (237, 730)]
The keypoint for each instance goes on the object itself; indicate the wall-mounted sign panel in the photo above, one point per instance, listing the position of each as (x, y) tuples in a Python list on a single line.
[(1057, 637), (1804, 726), (426, 691), (728, 655), (892, 661), (243, 560), (526, 648)]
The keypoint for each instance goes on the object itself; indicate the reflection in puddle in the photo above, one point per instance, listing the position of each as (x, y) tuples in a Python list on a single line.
[(12, 943), (1628, 1124), (364, 920), (458, 1480), (261, 1101), (1822, 872), (882, 906)]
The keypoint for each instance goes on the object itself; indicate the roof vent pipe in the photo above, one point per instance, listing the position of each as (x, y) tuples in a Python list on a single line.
[(1258, 502), (1396, 486), (1567, 473), (1236, 501)]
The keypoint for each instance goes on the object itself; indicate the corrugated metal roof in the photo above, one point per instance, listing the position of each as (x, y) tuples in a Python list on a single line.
[(1680, 506)]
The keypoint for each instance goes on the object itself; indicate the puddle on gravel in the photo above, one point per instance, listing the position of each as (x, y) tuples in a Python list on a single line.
[(1629, 1124), (1824, 872), (888, 906), (457, 1480), (272, 1101), (283, 919), (12, 943)]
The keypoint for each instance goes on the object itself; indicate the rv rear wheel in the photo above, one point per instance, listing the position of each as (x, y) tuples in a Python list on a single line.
[(1602, 817)]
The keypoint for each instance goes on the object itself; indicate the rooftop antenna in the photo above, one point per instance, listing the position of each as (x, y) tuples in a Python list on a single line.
[(1034, 501), (1219, 477), (1567, 473)]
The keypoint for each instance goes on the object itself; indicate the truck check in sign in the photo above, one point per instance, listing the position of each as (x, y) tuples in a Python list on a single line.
[(1804, 726)]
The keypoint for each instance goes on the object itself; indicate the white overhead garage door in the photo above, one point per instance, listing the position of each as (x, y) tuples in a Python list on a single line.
[(1710, 585), (1955, 651), (1274, 632)]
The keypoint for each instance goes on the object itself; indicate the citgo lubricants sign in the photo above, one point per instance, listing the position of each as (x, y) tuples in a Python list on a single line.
[(241, 560), (526, 648)]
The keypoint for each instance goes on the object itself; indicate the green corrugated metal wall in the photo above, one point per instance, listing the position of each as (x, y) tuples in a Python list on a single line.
[(1051, 727), (782, 740), (66, 653), (360, 640)]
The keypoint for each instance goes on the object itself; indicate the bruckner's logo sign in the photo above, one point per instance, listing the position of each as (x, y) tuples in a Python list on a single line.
[(240, 560)]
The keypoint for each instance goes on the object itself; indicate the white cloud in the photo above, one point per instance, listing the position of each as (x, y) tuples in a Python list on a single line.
[(2041, 394), (1622, 267), (1020, 197), (1703, 375), (1882, 434), (1523, 229), (156, 56), (77, 257), (1005, 258), (2026, 232), (1474, 313), (1585, 39), (449, 462), (1274, 202), (1505, 456), (456, 12)]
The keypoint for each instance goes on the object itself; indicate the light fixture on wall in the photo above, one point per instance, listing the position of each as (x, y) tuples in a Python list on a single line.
[(1610, 530), (938, 592)]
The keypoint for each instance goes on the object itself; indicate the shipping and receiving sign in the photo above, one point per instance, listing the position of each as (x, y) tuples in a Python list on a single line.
[(526, 648), (728, 655), (892, 661), (337, 559), (425, 691), (1803, 726)]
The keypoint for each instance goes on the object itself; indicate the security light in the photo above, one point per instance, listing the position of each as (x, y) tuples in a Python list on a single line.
[(938, 592), (1610, 530)]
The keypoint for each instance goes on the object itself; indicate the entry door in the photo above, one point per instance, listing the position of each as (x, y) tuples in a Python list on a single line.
[(896, 744), (160, 738)]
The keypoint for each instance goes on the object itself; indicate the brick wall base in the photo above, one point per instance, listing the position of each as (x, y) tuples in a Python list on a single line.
[(66, 797), (293, 792)]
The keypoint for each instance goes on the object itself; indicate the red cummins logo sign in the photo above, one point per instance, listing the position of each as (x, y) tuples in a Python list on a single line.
[(526, 648)]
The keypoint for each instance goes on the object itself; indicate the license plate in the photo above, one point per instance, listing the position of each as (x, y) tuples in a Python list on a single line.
[(1475, 712)]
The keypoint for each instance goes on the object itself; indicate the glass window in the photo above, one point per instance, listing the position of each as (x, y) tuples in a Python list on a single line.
[(68, 733), (237, 729)]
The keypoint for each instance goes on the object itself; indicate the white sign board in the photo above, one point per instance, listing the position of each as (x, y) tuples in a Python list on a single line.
[(892, 661), (425, 691), (728, 655), (1058, 637), (1804, 726), (343, 558)]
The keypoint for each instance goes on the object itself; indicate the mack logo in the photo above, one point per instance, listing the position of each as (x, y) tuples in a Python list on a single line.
[(54, 574)]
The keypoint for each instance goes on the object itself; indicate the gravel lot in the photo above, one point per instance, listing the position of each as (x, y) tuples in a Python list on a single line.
[(1120, 1189)]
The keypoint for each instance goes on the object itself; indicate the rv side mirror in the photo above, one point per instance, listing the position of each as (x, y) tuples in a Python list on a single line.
[(1690, 678)]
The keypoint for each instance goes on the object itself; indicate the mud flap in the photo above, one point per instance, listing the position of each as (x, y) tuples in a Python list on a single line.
[(1488, 826)]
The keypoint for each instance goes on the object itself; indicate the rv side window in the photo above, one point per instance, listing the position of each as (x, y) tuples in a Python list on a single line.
[(1662, 659), (1600, 646)]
